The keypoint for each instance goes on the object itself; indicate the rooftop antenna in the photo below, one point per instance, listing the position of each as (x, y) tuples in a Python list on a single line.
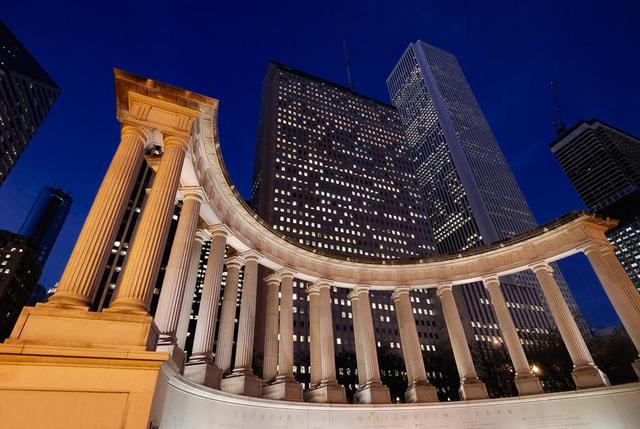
[(347, 63), (559, 123)]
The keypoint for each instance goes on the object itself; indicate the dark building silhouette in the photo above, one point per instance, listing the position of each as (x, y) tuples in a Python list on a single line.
[(26, 96), (23, 256), (603, 165)]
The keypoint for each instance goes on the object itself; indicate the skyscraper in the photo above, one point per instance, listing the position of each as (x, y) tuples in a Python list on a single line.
[(603, 165), (26, 96), (331, 173), (471, 195), (23, 255)]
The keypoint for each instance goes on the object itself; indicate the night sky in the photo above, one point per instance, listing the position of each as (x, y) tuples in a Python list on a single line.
[(509, 52)]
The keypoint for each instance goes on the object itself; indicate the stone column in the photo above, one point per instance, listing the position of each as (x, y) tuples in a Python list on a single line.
[(526, 381), (84, 269), (224, 344), (419, 389), (189, 290), (470, 385), (328, 390), (175, 278), (585, 372), (372, 391), (141, 270), (200, 367), (314, 332), (621, 292), (285, 387), (242, 381), (270, 361)]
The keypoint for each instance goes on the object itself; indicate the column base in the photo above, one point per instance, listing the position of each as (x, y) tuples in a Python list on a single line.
[(329, 392), (67, 360), (636, 367), (203, 371), (528, 384), (372, 393), (242, 383), (421, 392), (177, 356), (284, 389), (472, 388), (589, 376)]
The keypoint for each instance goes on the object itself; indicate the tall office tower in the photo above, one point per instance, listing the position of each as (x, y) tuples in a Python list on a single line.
[(26, 96), (603, 164), (331, 174), (23, 255), (471, 195)]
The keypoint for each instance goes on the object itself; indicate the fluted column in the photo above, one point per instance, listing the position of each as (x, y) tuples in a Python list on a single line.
[(224, 345), (175, 279), (189, 290), (313, 292), (621, 292), (84, 269), (470, 385), (206, 326), (141, 271), (270, 360), (372, 391), (419, 389), (526, 382), (585, 373)]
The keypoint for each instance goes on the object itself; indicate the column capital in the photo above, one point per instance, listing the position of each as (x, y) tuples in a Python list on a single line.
[(444, 287), (357, 291), (234, 261), (137, 131), (192, 193), (251, 255), (399, 291), (286, 272), (491, 280), (219, 230), (272, 280), (201, 235), (598, 246), (322, 283), (312, 289), (179, 142), (541, 266)]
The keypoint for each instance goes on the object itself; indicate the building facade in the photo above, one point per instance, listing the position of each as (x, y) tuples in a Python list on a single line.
[(603, 165), (331, 173), (471, 195), (27, 93)]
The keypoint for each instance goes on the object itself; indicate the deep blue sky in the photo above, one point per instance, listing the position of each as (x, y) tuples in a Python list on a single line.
[(508, 52)]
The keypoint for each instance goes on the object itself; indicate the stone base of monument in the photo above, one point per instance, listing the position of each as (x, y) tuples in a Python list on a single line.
[(588, 376), (330, 393), (421, 392), (472, 388), (372, 393), (284, 389), (242, 383), (528, 384), (82, 369), (204, 372)]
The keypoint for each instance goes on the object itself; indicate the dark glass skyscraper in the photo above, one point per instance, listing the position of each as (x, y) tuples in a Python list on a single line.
[(26, 96), (332, 174), (603, 164), (471, 195)]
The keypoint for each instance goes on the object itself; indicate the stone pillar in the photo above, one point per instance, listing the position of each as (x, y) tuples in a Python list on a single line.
[(526, 381), (328, 390), (84, 269), (315, 357), (224, 344), (470, 385), (175, 279), (372, 391), (189, 290), (242, 381), (585, 372), (621, 292), (270, 360), (141, 270), (200, 367), (285, 387), (419, 389)]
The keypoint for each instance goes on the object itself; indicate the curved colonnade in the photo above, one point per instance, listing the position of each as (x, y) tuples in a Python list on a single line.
[(191, 170)]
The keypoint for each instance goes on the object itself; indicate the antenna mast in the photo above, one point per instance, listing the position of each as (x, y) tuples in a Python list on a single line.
[(559, 124), (347, 63)]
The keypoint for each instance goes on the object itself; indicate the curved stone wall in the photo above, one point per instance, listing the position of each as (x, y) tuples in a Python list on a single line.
[(182, 404)]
